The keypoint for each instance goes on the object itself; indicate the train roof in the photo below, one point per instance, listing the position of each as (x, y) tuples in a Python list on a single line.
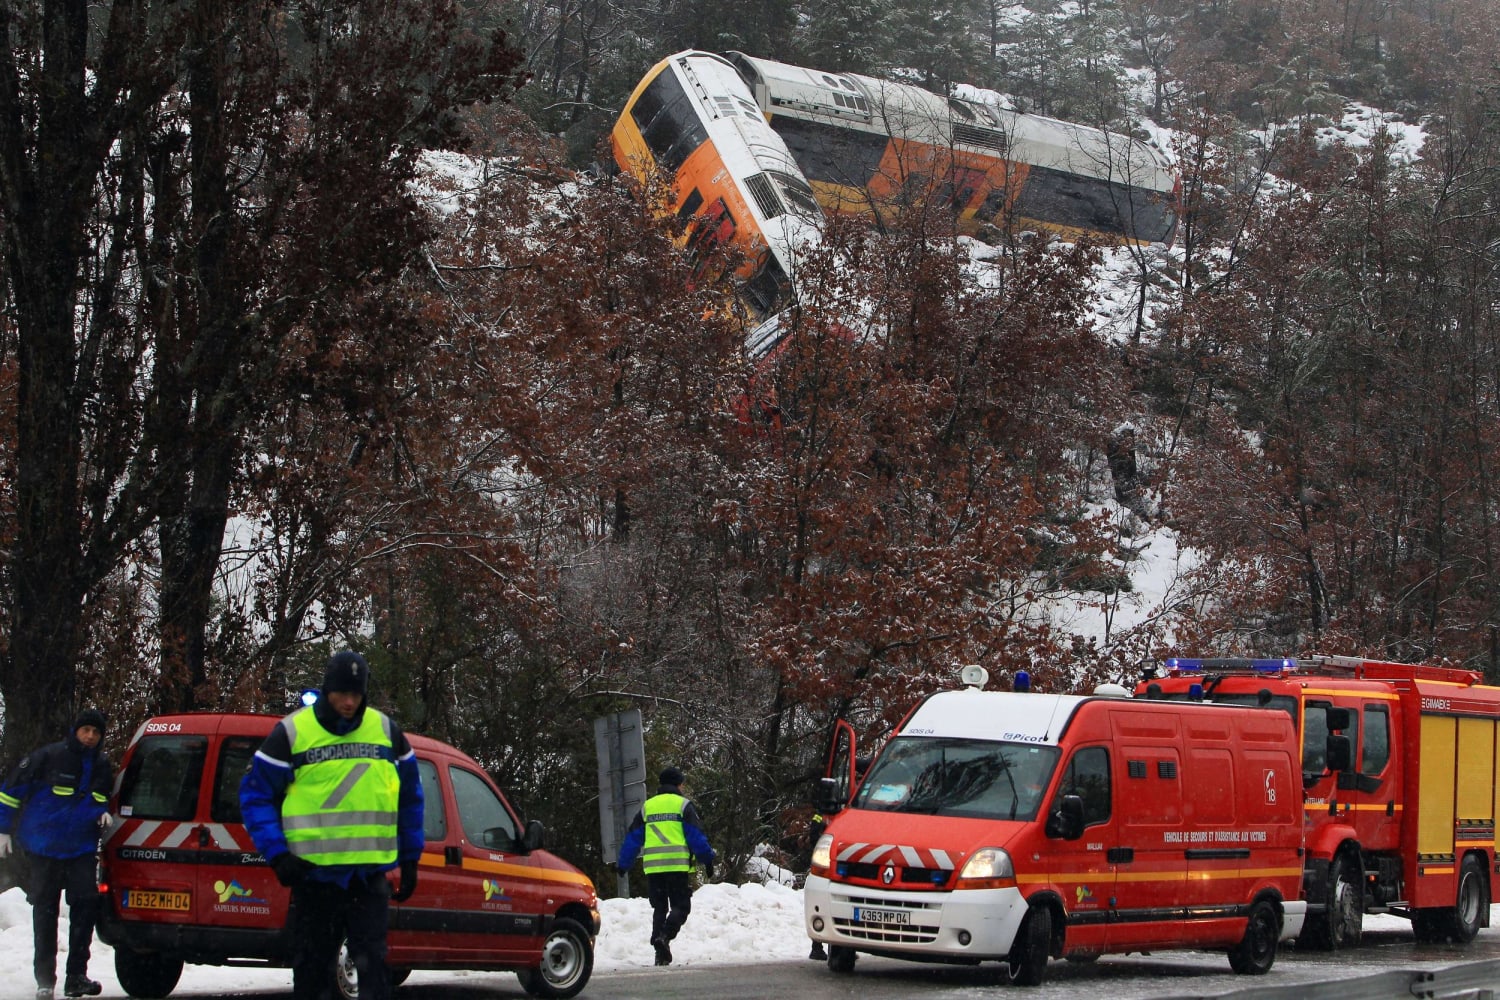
[(965, 121)]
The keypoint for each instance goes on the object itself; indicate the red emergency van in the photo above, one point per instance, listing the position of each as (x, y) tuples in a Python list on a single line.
[(1017, 827), (183, 883)]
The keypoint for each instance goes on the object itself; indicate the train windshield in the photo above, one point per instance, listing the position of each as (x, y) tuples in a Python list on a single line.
[(983, 779)]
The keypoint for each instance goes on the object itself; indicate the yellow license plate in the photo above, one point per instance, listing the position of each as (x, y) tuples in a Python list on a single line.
[(158, 899)]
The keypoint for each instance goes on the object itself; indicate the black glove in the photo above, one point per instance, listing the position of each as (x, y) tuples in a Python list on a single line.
[(408, 881), (291, 870), (708, 869)]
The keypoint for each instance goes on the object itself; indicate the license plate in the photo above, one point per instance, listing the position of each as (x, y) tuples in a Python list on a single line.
[(158, 899), (865, 915)]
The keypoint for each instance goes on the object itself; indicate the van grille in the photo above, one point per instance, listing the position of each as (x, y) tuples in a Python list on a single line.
[(928, 878), (925, 918)]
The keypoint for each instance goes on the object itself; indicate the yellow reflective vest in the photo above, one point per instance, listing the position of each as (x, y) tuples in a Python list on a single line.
[(666, 847), (341, 805)]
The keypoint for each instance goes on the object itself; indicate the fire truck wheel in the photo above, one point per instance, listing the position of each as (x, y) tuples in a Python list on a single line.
[(1341, 924), (1473, 902), (1256, 952), (1027, 962), (567, 963), (840, 958), (146, 974)]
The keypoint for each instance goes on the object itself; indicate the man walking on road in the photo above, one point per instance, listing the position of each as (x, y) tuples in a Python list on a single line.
[(667, 836), (333, 801), (54, 806)]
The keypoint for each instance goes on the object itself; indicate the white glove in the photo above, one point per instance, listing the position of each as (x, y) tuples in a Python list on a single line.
[(4, 845), (105, 822)]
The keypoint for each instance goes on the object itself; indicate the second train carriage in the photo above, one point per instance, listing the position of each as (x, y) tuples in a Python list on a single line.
[(733, 181), (879, 148)]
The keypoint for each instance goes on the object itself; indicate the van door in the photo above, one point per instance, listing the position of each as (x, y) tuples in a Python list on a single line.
[(1081, 870), (841, 764), (484, 903), (1148, 852), (430, 928), (510, 889), (154, 873), (238, 889)]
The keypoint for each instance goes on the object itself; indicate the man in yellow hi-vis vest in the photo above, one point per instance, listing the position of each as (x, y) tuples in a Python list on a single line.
[(333, 801), (668, 837)]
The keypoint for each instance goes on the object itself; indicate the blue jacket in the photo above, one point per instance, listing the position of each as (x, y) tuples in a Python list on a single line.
[(52, 801), (635, 837), (271, 771)]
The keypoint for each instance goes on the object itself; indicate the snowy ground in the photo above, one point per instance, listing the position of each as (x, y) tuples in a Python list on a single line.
[(730, 925)]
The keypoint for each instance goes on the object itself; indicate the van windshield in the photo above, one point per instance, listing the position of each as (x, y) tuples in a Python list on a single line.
[(984, 779)]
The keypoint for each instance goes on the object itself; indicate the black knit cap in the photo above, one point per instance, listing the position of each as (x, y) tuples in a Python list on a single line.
[(346, 671), (90, 717), (671, 776)]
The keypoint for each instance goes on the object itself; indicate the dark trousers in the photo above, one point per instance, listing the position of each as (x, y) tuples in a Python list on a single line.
[(323, 916), (671, 896), (46, 881)]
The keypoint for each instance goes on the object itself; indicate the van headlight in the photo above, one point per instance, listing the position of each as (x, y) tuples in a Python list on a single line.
[(987, 868), (820, 855)]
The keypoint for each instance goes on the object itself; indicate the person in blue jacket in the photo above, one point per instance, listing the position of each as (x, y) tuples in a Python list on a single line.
[(54, 807), (668, 837), (333, 801)]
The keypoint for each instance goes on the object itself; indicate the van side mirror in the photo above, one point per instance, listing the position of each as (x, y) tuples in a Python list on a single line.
[(1340, 753), (830, 796), (1339, 719), (1066, 821), (532, 839)]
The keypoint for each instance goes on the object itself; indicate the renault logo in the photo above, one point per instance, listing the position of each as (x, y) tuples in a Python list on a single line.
[(889, 874)]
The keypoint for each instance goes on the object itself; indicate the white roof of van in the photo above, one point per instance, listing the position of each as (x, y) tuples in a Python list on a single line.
[(994, 715)]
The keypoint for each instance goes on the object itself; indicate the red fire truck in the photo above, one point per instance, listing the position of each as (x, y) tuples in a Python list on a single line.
[(1399, 769)]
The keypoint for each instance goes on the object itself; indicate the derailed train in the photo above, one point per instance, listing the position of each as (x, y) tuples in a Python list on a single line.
[(756, 151)]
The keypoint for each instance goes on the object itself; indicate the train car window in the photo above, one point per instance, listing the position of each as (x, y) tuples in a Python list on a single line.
[(767, 287), (1150, 216), (690, 205), (1053, 197), (831, 154), (798, 196), (960, 108), (669, 121)]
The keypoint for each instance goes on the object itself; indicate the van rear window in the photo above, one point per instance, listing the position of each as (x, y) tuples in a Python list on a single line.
[(163, 778), (235, 754)]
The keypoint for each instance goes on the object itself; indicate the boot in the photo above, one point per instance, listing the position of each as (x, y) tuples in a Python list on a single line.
[(44, 992), (663, 953), (818, 954), (80, 986)]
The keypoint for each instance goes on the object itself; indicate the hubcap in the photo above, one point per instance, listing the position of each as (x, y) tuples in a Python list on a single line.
[(560, 960), (348, 976)]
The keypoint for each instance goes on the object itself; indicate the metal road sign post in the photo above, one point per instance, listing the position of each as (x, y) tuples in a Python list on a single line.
[(621, 747)]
